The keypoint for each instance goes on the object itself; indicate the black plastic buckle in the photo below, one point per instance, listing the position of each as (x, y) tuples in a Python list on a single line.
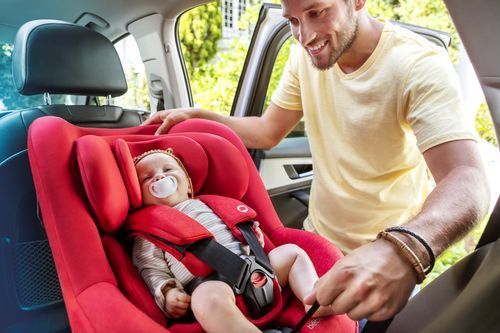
[(256, 298)]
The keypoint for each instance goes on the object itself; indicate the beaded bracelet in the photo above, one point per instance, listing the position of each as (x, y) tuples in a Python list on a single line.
[(432, 257), (407, 253)]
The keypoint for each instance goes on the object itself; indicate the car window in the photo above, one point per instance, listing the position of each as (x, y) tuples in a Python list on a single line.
[(137, 95), (278, 68), (214, 44), (10, 99)]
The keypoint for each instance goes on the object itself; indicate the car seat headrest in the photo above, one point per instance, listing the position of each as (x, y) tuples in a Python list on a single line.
[(214, 165), (102, 182), (191, 154), (63, 58), (110, 181)]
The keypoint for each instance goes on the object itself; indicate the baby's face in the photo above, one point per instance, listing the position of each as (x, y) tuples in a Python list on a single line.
[(155, 167)]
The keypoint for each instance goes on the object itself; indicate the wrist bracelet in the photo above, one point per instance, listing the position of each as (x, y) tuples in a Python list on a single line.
[(407, 253), (432, 257)]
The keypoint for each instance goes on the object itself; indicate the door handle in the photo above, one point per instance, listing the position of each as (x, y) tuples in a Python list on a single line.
[(296, 171)]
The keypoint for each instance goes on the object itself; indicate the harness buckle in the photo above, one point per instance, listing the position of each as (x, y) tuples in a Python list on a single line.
[(257, 298)]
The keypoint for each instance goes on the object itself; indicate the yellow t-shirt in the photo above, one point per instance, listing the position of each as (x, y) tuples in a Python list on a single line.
[(367, 130)]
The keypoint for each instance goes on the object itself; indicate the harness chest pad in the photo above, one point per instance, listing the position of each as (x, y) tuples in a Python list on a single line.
[(172, 231), (231, 211)]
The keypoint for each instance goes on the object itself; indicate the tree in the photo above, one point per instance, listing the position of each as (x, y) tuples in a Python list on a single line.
[(200, 29)]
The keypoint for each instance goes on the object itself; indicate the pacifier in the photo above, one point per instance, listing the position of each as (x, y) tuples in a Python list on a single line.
[(163, 187)]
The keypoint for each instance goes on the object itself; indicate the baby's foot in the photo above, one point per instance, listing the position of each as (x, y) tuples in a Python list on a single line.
[(323, 311)]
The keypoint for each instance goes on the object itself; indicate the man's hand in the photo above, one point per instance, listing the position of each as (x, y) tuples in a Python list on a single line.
[(258, 231), (176, 302), (372, 282), (168, 118)]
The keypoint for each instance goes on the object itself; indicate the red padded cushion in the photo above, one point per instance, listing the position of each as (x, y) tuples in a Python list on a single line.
[(187, 150), (214, 165), (102, 181)]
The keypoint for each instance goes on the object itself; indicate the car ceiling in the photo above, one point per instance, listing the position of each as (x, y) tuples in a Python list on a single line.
[(117, 13)]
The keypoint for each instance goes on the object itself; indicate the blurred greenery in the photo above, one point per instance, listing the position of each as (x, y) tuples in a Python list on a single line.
[(200, 30), (484, 125)]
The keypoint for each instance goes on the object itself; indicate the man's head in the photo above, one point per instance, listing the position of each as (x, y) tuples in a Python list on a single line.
[(325, 28), (163, 178)]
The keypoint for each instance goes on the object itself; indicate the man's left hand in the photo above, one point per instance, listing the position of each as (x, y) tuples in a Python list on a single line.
[(372, 282)]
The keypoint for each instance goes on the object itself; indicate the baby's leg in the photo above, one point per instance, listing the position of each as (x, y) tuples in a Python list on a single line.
[(213, 305), (293, 266)]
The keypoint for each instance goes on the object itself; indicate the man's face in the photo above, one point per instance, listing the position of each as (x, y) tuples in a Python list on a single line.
[(325, 28), (155, 167)]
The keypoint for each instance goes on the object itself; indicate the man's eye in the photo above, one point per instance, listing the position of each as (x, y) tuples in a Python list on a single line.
[(317, 13), (292, 21)]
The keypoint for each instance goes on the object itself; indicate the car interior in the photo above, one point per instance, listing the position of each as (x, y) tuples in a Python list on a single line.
[(66, 48)]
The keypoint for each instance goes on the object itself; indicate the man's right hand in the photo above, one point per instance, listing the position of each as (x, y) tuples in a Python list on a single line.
[(176, 302), (168, 118)]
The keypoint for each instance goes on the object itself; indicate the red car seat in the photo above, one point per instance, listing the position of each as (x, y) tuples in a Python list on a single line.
[(85, 200)]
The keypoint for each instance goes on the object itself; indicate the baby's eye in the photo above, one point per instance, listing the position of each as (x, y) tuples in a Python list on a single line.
[(166, 169)]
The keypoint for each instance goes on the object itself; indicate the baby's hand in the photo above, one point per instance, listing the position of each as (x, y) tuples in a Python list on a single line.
[(260, 235), (176, 302)]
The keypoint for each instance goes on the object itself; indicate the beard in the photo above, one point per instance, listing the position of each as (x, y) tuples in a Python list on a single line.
[(346, 39)]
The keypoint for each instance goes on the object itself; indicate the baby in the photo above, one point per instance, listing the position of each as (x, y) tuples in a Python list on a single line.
[(164, 181)]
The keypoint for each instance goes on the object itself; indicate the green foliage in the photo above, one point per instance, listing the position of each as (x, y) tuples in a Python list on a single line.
[(456, 252), (137, 96), (426, 13), (484, 125), (200, 30)]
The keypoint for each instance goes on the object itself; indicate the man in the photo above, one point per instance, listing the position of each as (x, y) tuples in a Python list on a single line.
[(380, 106)]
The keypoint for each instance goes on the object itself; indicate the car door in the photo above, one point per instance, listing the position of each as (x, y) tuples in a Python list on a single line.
[(287, 169)]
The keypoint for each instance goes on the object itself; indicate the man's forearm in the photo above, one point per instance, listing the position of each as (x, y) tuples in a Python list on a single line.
[(253, 131), (452, 209)]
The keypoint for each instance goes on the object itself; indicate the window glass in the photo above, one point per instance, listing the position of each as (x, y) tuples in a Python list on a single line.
[(278, 68), (214, 41), (137, 95)]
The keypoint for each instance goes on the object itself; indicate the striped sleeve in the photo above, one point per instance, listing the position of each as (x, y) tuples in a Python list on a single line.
[(152, 265)]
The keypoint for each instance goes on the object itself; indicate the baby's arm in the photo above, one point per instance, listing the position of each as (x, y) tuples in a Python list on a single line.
[(152, 266)]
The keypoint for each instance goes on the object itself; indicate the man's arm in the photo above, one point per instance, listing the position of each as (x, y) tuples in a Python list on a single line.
[(256, 132), (375, 281)]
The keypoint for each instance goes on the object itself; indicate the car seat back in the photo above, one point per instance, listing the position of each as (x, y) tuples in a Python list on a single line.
[(59, 58)]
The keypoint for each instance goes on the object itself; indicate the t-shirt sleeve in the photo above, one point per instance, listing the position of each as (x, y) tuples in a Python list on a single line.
[(433, 103), (287, 95)]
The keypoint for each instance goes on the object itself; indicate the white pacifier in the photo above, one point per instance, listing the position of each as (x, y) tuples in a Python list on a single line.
[(163, 187)]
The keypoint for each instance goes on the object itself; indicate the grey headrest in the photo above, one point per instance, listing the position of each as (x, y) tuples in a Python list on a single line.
[(64, 58)]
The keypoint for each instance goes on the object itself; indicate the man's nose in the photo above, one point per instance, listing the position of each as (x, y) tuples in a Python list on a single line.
[(306, 35)]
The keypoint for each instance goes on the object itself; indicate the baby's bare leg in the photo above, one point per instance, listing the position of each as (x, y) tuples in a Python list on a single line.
[(293, 266), (213, 305)]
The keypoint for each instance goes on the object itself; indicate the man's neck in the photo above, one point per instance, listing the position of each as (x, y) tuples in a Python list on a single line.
[(367, 38)]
